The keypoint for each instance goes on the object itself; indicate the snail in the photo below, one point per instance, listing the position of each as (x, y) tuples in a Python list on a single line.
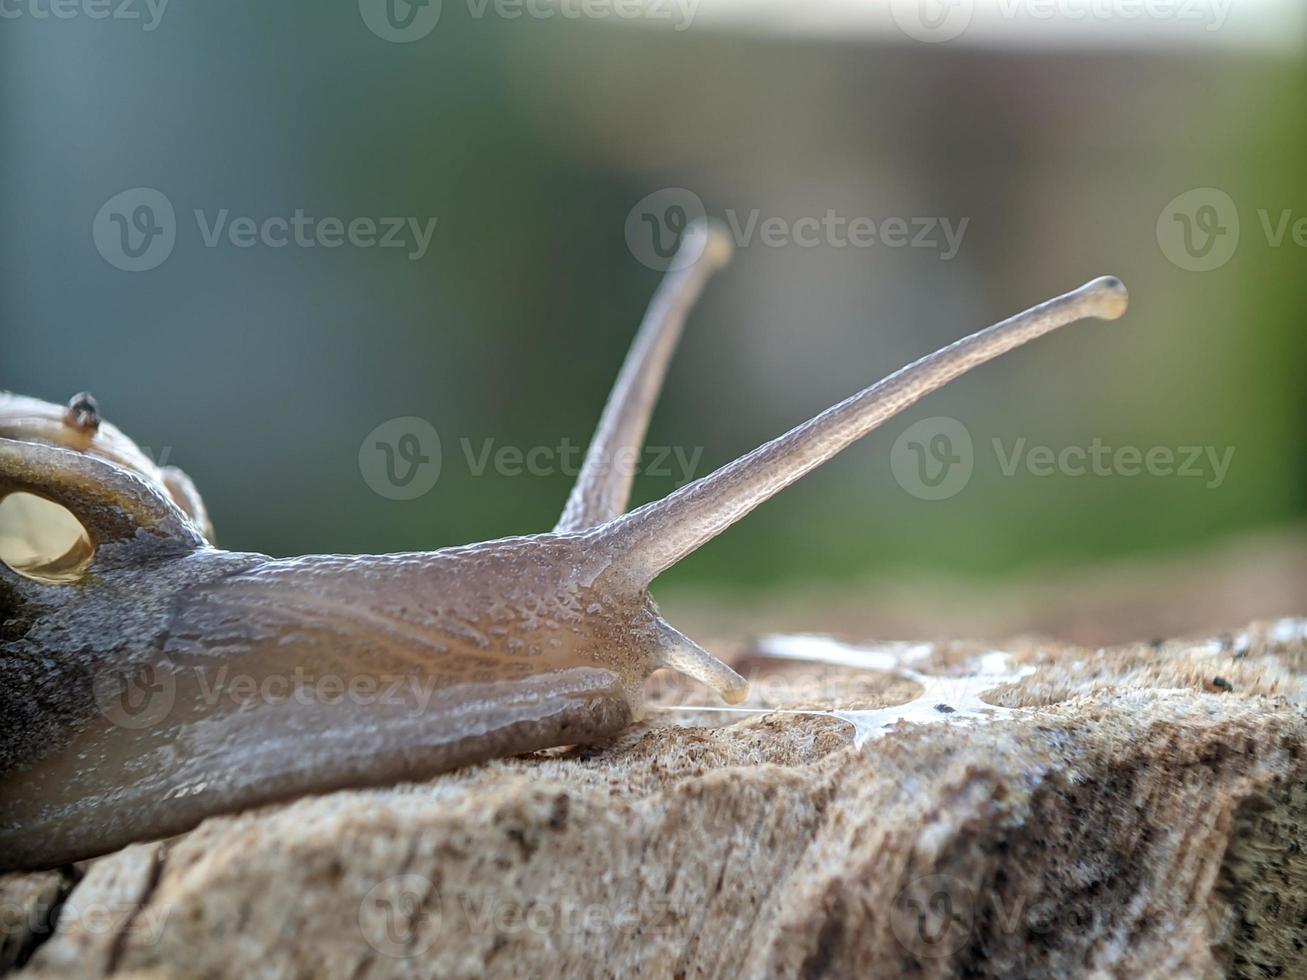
[(149, 680)]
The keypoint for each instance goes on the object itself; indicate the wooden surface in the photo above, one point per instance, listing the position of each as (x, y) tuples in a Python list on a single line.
[(1136, 811)]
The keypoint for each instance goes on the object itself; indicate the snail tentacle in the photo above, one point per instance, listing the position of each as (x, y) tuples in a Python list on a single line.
[(603, 486), (658, 535), (114, 663), (680, 653)]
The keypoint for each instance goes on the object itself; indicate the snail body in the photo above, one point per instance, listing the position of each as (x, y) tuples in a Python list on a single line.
[(156, 680)]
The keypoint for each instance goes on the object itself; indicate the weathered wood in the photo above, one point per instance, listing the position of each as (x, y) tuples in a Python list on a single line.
[(1143, 813)]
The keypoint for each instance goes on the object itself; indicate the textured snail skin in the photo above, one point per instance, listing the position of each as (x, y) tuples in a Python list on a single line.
[(173, 681), (254, 680)]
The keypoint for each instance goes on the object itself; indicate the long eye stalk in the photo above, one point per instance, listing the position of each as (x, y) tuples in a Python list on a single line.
[(656, 536), (603, 486)]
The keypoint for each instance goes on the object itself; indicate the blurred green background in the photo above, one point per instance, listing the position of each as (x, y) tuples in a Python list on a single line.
[(261, 370)]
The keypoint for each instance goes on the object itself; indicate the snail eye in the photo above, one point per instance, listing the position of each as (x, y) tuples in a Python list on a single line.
[(43, 541)]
